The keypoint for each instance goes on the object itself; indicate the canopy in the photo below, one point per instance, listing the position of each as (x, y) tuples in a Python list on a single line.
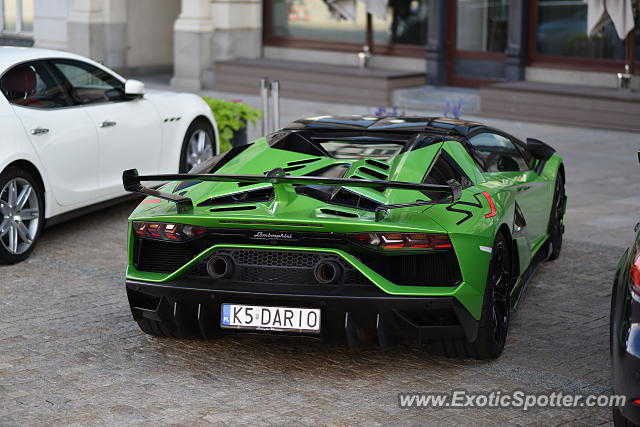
[(346, 9), (601, 12)]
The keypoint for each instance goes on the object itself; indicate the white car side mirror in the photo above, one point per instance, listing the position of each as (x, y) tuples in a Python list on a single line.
[(133, 88)]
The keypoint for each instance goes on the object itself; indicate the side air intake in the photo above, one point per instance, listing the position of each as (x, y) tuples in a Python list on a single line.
[(251, 196), (339, 213)]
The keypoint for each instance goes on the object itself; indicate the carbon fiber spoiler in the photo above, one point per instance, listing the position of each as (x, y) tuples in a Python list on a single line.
[(132, 183)]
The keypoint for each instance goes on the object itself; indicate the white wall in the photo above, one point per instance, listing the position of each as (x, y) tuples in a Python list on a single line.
[(50, 24), (150, 32)]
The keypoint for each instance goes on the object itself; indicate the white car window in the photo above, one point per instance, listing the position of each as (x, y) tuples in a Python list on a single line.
[(32, 85), (89, 84)]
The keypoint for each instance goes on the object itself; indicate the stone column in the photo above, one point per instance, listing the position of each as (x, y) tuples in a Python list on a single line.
[(97, 29), (214, 30), (193, 46), (436, 49), (115, 27), (517, 40), (238, 29), (85, 28), (50, 24)]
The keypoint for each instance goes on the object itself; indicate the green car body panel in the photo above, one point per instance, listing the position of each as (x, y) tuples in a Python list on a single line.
[(472, 238)]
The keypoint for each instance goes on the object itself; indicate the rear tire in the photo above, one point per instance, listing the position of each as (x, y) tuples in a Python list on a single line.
[(619, 420), (556, 220), (494, 320)]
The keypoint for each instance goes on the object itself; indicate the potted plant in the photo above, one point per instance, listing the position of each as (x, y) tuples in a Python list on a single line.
[(232, 118)]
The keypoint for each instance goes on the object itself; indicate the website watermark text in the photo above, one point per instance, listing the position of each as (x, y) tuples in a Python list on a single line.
[(507, 399)]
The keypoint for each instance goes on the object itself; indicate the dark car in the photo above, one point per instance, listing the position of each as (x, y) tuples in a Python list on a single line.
[(625, 334)]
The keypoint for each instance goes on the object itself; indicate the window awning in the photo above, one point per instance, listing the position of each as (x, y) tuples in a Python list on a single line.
[(601, 12), (346, 9)]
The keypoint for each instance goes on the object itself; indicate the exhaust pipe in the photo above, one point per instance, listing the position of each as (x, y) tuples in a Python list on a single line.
[(327, 272), (220, 267)]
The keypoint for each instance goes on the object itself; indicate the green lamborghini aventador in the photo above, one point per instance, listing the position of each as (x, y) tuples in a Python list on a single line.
[(365, 229)]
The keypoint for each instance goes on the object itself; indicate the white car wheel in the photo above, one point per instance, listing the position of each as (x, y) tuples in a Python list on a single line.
[(197, 145), (20, 214)]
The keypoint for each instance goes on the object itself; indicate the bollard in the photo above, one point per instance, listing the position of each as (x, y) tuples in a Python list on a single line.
[(275, 100), (624, 79), (364, 57), (270, 117), (264, 94)]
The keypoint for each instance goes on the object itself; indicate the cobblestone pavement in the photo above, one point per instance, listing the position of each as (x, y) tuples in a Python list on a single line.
[(71, 354)]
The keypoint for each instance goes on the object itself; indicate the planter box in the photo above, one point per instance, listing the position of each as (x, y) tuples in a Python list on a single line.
[(239, 137)]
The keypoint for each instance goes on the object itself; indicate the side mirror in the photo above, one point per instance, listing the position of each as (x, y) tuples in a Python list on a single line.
[(134, 88), (539, 149)]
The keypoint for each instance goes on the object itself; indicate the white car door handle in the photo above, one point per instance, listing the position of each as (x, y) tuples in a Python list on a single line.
[(107, 124), (39, 131)]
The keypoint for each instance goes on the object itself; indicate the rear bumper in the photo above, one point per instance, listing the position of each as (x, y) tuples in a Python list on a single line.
[(628, 366), (295, 266), (191, 308)]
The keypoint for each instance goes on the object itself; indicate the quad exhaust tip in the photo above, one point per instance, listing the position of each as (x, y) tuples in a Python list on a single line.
[(220, 267), (327, 272)]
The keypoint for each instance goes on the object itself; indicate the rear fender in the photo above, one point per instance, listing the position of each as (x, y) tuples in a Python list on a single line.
[(176, 112), (472, 225)]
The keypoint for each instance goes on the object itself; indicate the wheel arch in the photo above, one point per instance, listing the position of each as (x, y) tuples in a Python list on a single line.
[(214, 130), (176, 112), (562, 173), (32, 169), (21, 168), (515, 256), (561, 170), (201, 118)]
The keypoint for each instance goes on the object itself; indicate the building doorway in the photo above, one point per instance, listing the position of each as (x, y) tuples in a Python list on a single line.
[(476, 42), (308, 24)]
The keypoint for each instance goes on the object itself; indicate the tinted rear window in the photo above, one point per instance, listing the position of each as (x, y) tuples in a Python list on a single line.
[(354, 150)]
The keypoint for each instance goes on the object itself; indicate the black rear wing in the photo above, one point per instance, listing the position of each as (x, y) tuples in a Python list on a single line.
[(132, 183)]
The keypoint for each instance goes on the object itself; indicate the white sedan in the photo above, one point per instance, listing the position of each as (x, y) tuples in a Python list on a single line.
[(71, 126)]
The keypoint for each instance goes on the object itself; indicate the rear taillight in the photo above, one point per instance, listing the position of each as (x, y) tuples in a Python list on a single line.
[(634, 283), (403, 240), (167, 231)]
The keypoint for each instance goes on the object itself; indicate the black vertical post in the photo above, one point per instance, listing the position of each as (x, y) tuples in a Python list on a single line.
[(517, 40), (369, 40), (630, 57), (436, 48)]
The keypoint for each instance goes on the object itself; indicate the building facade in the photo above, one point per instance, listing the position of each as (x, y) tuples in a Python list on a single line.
[(454, 42)]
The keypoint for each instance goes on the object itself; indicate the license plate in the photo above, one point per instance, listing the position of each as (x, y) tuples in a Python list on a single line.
[(263, 318)]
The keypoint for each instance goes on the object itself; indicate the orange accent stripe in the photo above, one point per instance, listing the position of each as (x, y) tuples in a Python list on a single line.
[(491, 205)]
